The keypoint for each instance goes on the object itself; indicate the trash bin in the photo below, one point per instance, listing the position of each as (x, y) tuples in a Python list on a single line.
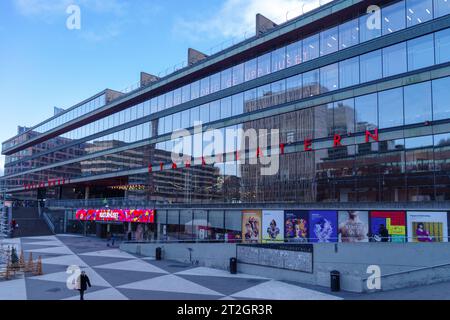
[(158, 254), (233, 266), (335, 281)]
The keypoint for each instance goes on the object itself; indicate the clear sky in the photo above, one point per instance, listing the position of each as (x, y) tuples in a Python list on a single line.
[(44, 64)]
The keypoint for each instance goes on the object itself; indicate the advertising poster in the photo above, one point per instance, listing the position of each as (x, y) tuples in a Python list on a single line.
[(388, 226), (116, 215), (296, 226), (323, 226), (353, 226), (251, 226), (273, 226), (427, 226)]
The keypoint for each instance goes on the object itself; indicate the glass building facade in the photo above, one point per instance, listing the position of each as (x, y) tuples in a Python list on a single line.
[(313, 84)]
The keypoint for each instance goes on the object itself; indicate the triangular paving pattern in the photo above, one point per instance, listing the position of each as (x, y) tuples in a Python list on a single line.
[(110, 294), (209, 272), (133, 265), (119, 277), (51, 290), (53, 250), (113, 253), (276, 290), (13, 290), (94, 277), (137, 295), (171, 283), (69, 260), (226, 287)]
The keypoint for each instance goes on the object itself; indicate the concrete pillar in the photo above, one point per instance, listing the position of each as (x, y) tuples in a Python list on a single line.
[(87, 190)]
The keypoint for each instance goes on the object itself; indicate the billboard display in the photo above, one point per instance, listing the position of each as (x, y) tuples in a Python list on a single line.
[(323, 226), (296, 226), (388, 226), (273, 226), (117, 215), (353, 226), (251, 226), (427, 226)]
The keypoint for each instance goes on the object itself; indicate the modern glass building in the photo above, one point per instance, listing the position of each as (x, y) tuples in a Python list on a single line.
[(361, 101)]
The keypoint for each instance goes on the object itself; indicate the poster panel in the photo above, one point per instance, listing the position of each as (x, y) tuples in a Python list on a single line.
[(388, 226), (353, 226), (273, 226), (427, 226), (296, 226), (251, 226), (323, 226)]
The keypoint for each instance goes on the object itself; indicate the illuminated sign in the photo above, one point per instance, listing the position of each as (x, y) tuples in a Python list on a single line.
[(134, 187), (117, 215)]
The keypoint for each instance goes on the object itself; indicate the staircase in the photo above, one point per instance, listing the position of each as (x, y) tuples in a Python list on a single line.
[(30, 224)]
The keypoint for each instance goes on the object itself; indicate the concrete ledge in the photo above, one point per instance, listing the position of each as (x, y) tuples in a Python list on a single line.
[(402, 265)]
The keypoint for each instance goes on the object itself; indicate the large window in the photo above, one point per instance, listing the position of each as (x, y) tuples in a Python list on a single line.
[(329, 41), (279, 59), (294, 88), (311, 48), (367, 29), (418, 103), (441, 8), (349, 72), (226, 78), (366, 112), (394, 59), (420, 52), (294, 54), (371, 66), (344, 116), (393, 17), (264, 65), (418, 11), (329, 79), (348, 34), (311, 83), (250, 70), (442, 45), (390, 105), (441, 99), (238, 74)]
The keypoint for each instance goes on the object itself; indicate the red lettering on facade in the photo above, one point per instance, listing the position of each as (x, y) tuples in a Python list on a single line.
[(282, 148), (308, 145), (161, 166), (374, 136), (337, 140), (174, 166)]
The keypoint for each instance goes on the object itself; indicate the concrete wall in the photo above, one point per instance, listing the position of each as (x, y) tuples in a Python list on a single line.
[(351, 260)]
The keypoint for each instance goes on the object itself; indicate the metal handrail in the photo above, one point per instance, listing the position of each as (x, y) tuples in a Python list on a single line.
[(48, 221), (407, 271)]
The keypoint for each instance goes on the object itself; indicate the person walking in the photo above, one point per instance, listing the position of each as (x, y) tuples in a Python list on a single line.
[(83, 283)]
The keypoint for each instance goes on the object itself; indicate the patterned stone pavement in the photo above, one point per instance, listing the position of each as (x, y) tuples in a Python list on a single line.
[(117, 275)]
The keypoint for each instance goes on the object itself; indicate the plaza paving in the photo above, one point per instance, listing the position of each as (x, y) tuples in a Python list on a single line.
[(117, 275)]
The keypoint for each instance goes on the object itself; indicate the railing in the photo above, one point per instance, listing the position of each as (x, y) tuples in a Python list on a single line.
[(205, 204), (49, 222)]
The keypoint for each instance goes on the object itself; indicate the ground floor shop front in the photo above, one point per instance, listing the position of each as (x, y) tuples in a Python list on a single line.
[(260, 225)]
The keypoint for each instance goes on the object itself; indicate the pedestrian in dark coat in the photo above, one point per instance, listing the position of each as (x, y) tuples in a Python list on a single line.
[(84, 282)]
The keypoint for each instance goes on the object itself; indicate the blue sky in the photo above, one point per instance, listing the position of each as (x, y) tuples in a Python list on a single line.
[(43, 64)]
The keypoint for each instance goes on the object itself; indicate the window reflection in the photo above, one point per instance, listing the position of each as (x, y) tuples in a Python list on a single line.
[(393, 17), (418, 11), (329, 41), (349, 34), (394, 59), (390, 105), (420, 52), (418, 103)]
